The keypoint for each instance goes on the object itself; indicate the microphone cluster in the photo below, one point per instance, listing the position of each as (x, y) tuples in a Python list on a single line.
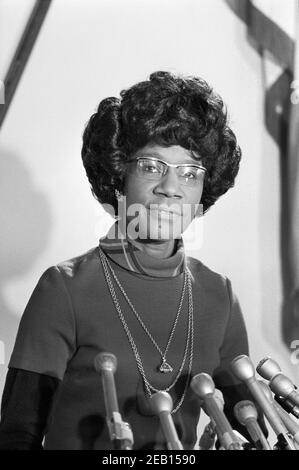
[(243, 369), (276, 401)]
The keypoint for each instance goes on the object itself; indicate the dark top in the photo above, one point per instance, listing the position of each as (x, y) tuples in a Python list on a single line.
[(70, 318)]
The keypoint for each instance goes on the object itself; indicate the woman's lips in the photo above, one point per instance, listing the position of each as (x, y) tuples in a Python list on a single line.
[(164, 210)]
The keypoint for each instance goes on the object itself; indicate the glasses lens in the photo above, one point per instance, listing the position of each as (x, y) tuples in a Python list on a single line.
[(190, 175), (150, 169)]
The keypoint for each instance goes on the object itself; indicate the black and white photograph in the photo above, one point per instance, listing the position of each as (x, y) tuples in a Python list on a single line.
[(149, 187)]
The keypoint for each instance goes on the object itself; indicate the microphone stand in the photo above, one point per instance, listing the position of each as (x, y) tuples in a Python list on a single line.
[(119, 431)]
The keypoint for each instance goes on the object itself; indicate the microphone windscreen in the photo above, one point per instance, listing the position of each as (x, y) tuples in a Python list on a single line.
[(202, 384), (161, 402), (105, 361), (267, 368), (244, 410)]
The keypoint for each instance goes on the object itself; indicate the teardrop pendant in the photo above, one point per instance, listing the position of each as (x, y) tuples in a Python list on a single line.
[(165, 367)]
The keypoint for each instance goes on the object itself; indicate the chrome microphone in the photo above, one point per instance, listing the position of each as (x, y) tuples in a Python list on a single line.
[(204, 387), (243, 369), (287, 405), (267, 367), (120, 432), (162, 404), (208, 437), (281, 385), (289, 423), (246, 413)]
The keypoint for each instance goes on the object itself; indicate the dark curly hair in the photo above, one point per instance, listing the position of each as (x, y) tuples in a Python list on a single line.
[(165, 110)]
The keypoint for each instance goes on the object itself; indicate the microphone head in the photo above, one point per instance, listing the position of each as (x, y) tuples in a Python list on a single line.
[(203, 385), (281, 385), (244, 410), (267, 368), (161, 401), (266, 389), (105, 361), (242, 367)]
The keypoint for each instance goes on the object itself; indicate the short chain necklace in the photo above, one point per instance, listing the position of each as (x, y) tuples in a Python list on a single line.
[(190, 333)]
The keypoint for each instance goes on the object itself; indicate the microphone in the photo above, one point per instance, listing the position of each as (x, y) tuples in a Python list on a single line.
[(162, 404), (203, 385), (120, 432), (267, 367), (289, 423), (208, 437), (281, 385), (287, 405), (244, 442), (246, 413), (243, 369)]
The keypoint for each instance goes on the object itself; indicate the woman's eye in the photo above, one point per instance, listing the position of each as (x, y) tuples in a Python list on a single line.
[(189, 175), (150, 169)]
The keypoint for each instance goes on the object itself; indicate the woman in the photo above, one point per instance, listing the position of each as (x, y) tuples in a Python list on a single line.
[(164, 148)]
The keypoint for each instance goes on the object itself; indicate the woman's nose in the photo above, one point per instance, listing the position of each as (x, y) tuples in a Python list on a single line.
[(169, 185)]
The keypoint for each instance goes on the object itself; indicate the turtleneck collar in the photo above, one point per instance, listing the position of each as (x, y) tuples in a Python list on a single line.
[(127, 255)]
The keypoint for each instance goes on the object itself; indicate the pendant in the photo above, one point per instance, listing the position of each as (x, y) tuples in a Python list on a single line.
[(165, 367)]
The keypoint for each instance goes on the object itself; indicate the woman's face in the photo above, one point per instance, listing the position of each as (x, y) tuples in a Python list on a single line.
[(163, 207)]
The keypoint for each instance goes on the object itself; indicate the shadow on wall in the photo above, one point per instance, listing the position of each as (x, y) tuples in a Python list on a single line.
[(270, 271), (25, 221)]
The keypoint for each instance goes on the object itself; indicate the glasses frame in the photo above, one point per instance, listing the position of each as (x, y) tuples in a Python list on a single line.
[(167, 165)]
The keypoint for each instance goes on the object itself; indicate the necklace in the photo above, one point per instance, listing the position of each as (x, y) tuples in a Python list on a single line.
[(165, 367)]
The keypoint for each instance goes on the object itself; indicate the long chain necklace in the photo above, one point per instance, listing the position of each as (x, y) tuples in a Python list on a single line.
[(190, 333), (165, 366)]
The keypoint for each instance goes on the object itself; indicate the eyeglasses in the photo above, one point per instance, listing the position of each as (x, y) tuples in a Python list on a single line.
[(154, 169)]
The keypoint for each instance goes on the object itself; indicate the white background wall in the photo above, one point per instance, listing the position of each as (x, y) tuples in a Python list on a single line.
[(91, 49)]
